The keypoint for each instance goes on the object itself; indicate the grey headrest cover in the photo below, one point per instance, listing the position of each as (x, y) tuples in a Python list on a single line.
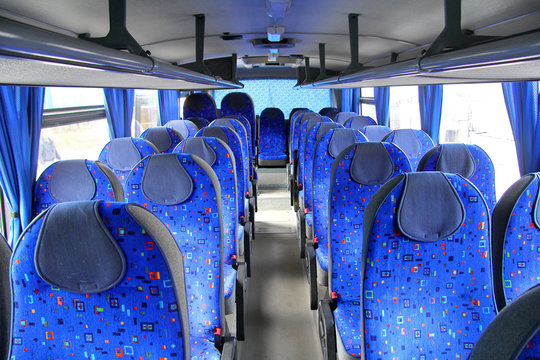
[(341, 138), (456, 158), (430, 208), (123, 154), (324, 128), (215, 131), (159, 136), (371, 164), (75, 251), (71, 181), (223, 122), (309, 116), (358, 122), (165, 181), (407, 141), (342, 117), (312, 122), (199, 147), (179, 126), (376, 132)]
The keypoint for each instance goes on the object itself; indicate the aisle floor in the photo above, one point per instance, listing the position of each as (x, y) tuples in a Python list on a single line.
[(279, 325)]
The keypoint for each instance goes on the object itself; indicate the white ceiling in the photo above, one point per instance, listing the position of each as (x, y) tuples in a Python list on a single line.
[(167, 27)]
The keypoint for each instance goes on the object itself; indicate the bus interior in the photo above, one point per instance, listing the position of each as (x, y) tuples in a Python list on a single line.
[(269, 179)]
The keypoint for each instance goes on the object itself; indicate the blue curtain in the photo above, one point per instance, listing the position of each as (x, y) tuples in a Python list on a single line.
[(521, 100), (382, 105), (119, 109), (168, 106), (21, 110), (430, 98), (350, 100)]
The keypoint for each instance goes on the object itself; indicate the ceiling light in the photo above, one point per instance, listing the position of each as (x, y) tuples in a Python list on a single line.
[(273, 54), (276, 9), (275, 33)]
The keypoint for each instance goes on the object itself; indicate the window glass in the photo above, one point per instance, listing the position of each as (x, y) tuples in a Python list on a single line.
[(64, 97), (280, 93), (367, 92), (404, 110), (82, 140), (368, 110), (146, 111), (476, 114)]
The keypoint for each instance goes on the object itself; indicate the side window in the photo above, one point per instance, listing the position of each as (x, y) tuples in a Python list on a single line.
[(146, 111), (476, 114), (404, 108), (367, 102)]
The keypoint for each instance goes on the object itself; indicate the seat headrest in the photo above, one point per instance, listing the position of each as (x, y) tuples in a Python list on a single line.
[(159, 136), (376, 132), (71, 181), (223, 122), (198, 121), (407, 141), (430, 208), (358, 122), (312, 121), (324, 128), (308, 116), (196, 102), (217, 132), (179, 126), (165, 181), (371, 164), (75, 251), (237, 101), (272, 114), (456, 159), (343, 116), (123, 154), (199, 147), (341, 138)]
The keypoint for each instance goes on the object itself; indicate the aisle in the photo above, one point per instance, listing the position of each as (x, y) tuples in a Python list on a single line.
[(280, 325)]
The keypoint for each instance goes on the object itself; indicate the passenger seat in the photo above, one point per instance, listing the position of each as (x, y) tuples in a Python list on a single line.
[(375, 132), (185, 128), (163, 138), (200, 105), (359, 122), (415, 143), (272, 138)]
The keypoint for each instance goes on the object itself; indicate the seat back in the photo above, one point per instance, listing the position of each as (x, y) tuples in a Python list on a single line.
[(328, 111), (239, 129), (272, 135), (343, 116), (72, 180), (219, 156), (304, 130), (163, 138), (359, 122), (426, 268), (516, 224), (469, 161), (232, 139), (122, 154), (200, 105), (375, 132), (184, 193), (247, 126), (198, 121), (237, 103), (415, 143), (314, 134), (327, 148), (185, 128), (5, 298), (303, 117), (294, 125), (357, 173), (295, 110), (115, 289)]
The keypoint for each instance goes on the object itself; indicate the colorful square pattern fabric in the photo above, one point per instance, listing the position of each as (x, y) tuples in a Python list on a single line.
[(238, 103), (200, 105), (138, 318), (415, 143), (272, 135)]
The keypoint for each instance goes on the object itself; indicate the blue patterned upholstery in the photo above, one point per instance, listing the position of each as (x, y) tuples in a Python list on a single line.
[(375, 132), (343, 116), (516, 236), (480, 170), (232, 139), (295, 110), (359, 122), (163, 138), (272, 135), (322, 166), (304, 129), (415, 143), (76, 180), (121, 154), (144, 313), (423, 299), (242, 119), (237, 103), (200, 105), (242, 133), (196, 225), (198, 121), (328, 111), (295, 135), (225, 169), (186, 128)]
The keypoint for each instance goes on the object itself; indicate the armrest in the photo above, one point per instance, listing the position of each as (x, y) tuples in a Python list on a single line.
[(327, 330), (241, 287), (301, 230), (229, 350), (311, 269), (247, 247)]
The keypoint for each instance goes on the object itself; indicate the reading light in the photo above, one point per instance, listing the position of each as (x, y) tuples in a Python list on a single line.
[(275, 33)]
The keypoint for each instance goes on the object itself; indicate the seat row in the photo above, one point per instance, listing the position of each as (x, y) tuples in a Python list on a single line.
[(356, 172)]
